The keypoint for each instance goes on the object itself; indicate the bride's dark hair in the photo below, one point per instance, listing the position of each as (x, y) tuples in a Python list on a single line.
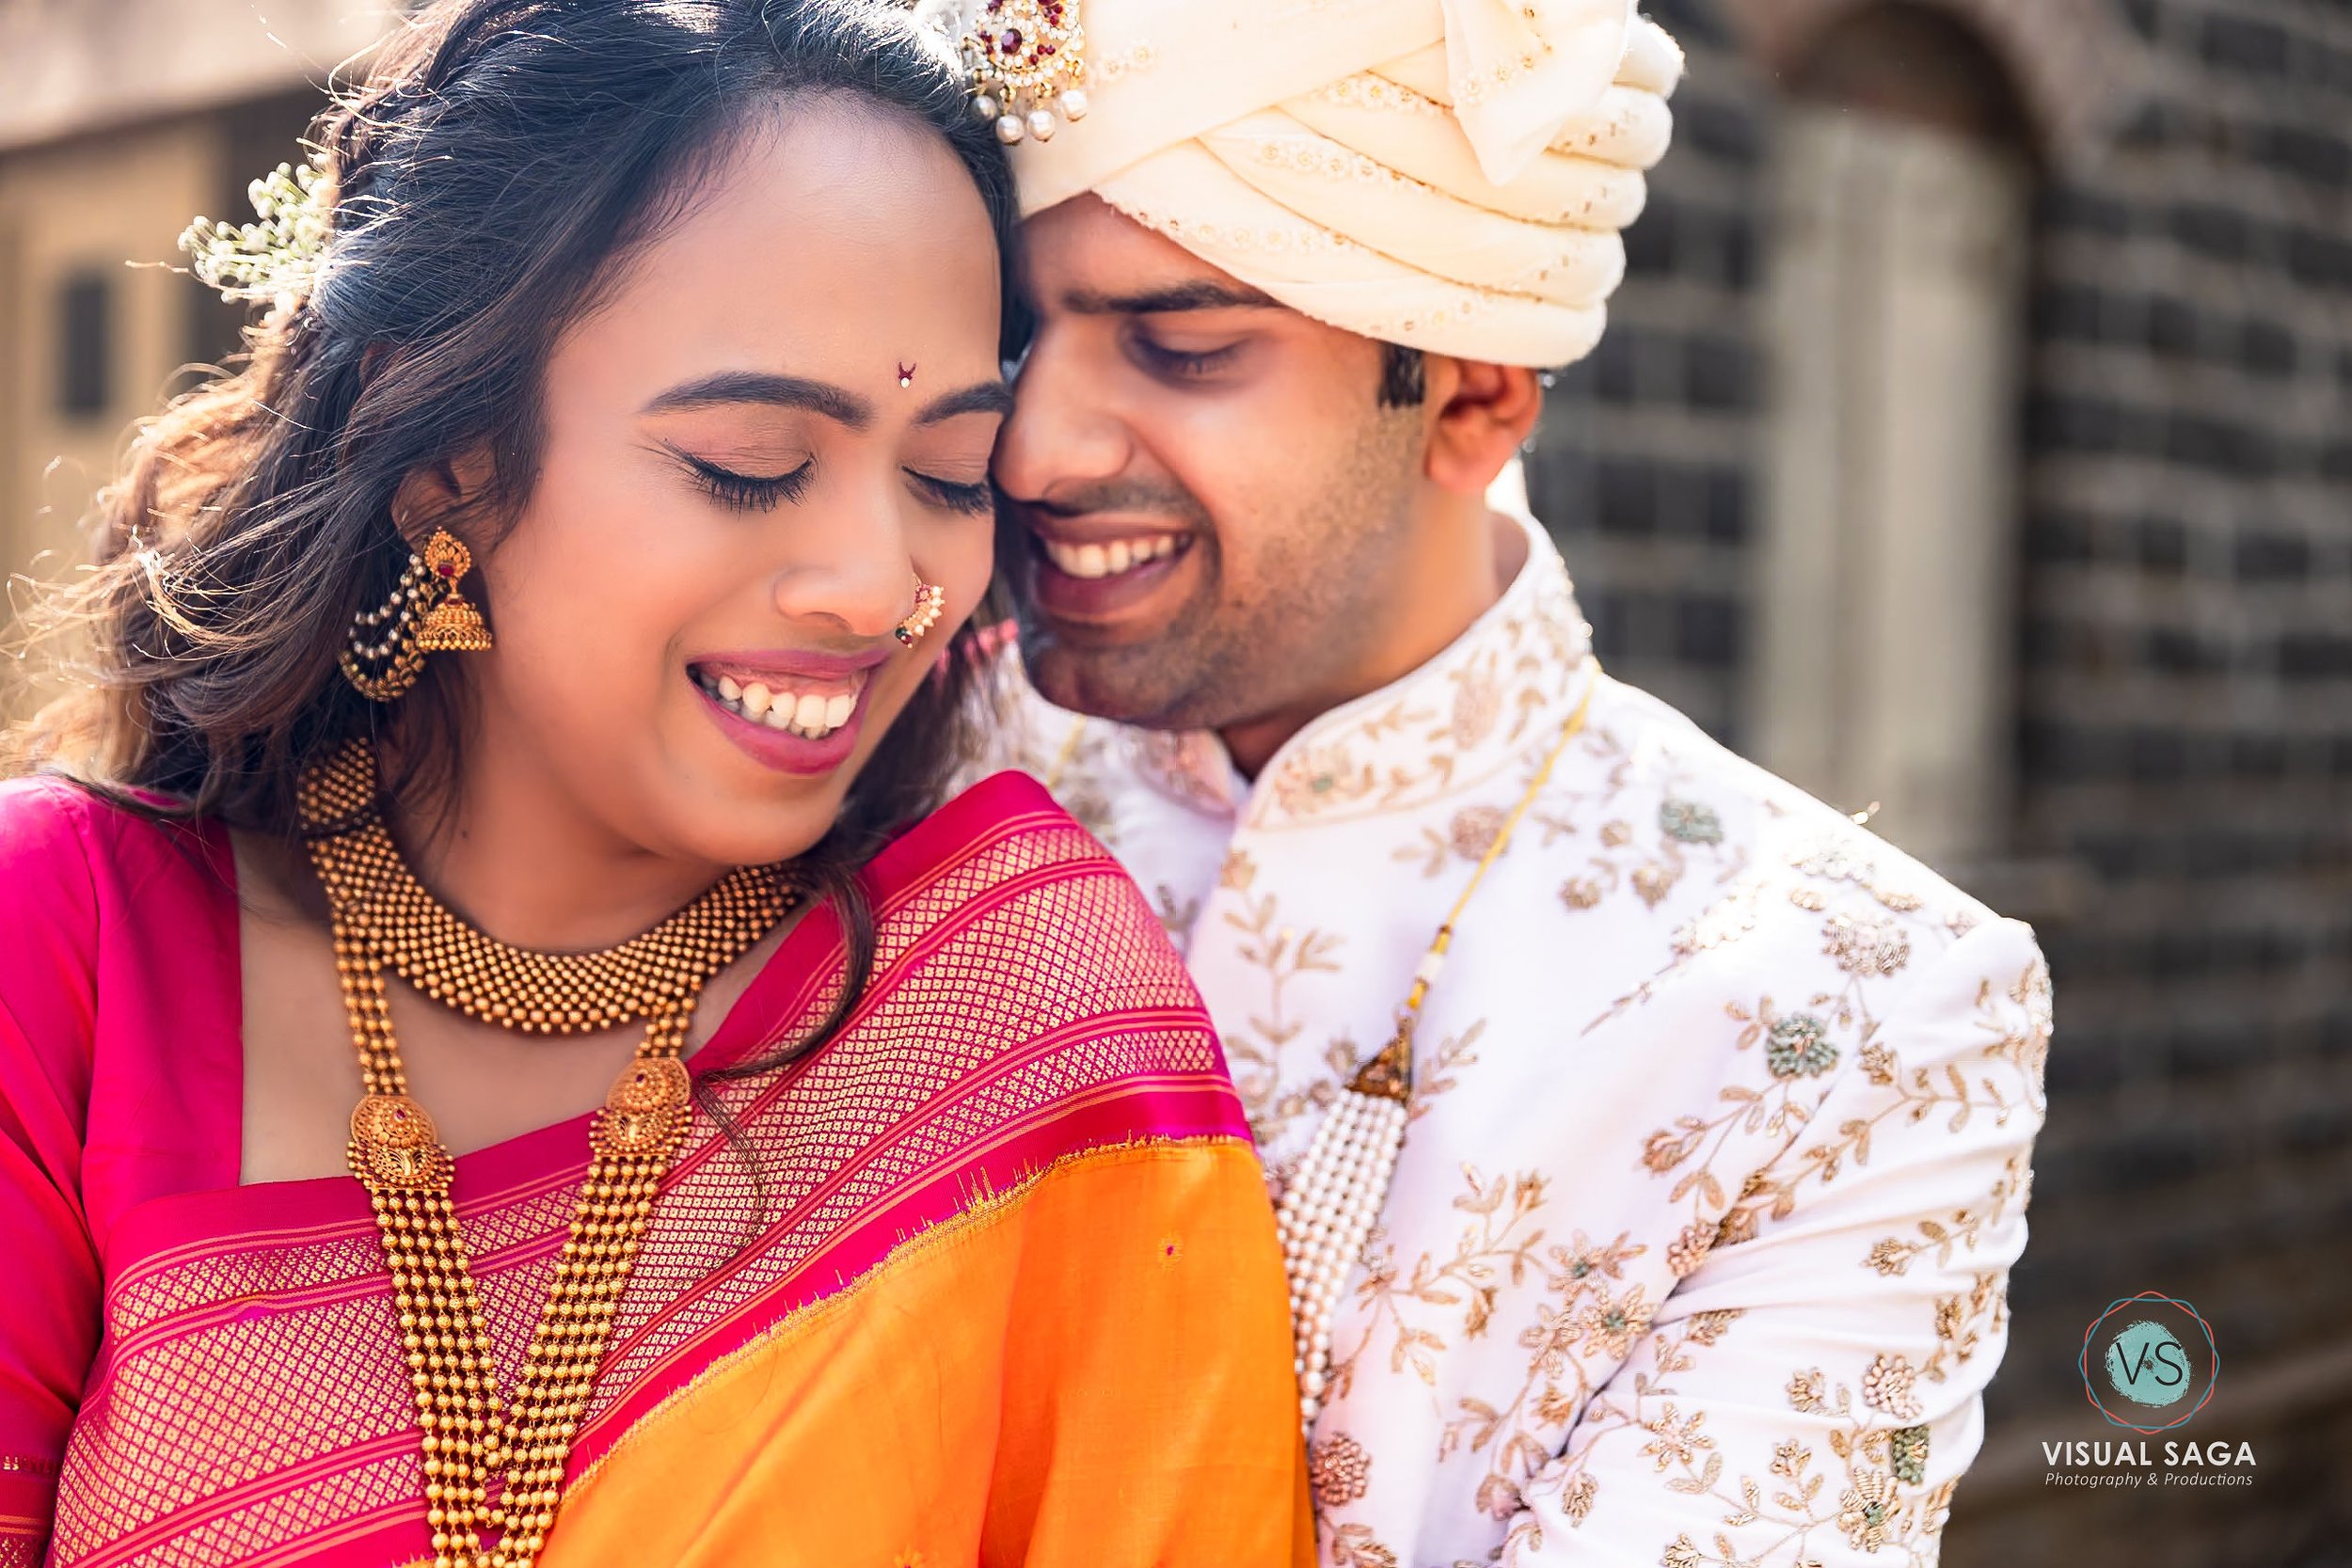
[(490, 174)]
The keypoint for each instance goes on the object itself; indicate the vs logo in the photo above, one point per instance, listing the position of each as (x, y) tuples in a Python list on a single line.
[(2146, 1364), (2155, 1359)]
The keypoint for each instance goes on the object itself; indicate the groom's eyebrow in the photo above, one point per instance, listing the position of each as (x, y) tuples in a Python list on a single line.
[(1201, 295)]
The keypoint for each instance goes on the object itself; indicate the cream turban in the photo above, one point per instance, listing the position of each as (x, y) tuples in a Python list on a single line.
[(1451, 175)]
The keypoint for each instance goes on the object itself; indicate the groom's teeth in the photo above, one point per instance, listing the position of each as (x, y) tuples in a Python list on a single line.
[(1102, 561)]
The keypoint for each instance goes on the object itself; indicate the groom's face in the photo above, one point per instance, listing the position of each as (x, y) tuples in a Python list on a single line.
[(1208, 498)]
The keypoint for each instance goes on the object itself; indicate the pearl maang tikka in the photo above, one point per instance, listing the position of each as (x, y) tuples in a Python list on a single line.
[(1028, 67)]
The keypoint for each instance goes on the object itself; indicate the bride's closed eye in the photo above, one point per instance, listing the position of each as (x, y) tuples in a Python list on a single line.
[(974, 499), (743, 492)]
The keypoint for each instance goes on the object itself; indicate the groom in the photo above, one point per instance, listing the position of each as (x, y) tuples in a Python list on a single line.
[(1719, 1109)]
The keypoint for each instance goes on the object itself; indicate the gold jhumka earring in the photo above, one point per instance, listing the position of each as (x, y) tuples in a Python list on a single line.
[(931, 602), (427, 613)]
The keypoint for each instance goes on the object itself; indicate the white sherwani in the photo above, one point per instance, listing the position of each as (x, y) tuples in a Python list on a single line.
[(1699, 1246)]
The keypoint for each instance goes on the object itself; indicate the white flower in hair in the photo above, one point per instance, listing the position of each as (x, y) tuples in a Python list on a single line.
[(277, 257)]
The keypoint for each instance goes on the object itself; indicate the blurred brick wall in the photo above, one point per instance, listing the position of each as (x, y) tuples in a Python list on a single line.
[(2183, 704)]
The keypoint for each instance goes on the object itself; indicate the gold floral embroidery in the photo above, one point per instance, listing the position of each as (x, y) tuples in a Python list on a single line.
[(1312, 779), (1339, 1469), (1893, 1255), (1674, 1440), (1284, 955), (1353, 1547), (1609, 1327), (1690, 1249), (1870, 1510), (1961, 1322), (1866, 946), (1887, 1384)]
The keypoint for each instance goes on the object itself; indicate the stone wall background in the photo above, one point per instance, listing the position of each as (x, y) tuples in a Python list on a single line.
[(2181, 832)]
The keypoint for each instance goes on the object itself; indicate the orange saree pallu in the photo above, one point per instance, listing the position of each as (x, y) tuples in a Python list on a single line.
[(991, 1279)]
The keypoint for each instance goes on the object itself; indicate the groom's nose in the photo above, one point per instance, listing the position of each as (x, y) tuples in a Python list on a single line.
[(1066, 428)]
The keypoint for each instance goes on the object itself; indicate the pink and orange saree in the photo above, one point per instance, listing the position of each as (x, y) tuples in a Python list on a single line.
[(990, 1280)]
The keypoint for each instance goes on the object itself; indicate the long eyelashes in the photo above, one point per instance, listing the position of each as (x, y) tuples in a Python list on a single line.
[(973, 500), (747, 492), (740, 492)]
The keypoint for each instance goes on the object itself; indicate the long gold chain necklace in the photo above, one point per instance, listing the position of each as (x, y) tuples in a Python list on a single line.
[(382, 915), (1342, 1181)]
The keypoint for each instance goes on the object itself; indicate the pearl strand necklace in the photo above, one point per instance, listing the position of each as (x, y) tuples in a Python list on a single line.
[(1342, 1182)]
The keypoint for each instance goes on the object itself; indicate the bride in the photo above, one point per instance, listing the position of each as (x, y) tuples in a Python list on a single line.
[(503, 1056)]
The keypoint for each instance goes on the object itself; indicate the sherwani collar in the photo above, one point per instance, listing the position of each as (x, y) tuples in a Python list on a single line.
[(1464, 716)]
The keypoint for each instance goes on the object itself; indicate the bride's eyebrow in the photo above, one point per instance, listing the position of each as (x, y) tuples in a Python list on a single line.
[(837, 404), (981, 397)]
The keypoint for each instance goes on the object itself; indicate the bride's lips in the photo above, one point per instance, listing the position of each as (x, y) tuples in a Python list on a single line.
[(792, 712)]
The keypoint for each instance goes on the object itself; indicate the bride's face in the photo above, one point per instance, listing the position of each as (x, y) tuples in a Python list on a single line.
[(777, 418)]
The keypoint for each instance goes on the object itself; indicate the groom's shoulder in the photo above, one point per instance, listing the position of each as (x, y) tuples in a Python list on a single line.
[(1728, 852)]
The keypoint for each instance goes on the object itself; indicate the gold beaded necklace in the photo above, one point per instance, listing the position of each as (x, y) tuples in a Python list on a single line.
[(382, 915)]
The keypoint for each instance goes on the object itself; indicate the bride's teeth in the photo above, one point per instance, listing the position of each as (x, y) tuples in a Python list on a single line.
[(729, 688), (755, 700), (810, 712), (837, 710), (780, 716)]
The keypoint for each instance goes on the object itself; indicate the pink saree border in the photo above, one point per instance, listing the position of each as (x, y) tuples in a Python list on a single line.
[(169, 1231), (1166, 1107)]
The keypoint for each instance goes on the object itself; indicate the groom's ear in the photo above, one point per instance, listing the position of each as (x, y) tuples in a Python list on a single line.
[(1480, 416)]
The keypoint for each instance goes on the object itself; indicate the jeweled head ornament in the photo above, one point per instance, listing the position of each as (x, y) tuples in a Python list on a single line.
[(1451, 175), (277, 257), (1028, 59)]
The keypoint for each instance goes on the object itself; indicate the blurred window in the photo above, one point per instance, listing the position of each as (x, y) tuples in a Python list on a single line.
[(84, 344), (1903, 218)]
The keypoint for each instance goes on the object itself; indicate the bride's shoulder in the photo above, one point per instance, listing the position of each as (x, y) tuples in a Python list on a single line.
[(62, 846), (45, 828), (1008, 867)]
